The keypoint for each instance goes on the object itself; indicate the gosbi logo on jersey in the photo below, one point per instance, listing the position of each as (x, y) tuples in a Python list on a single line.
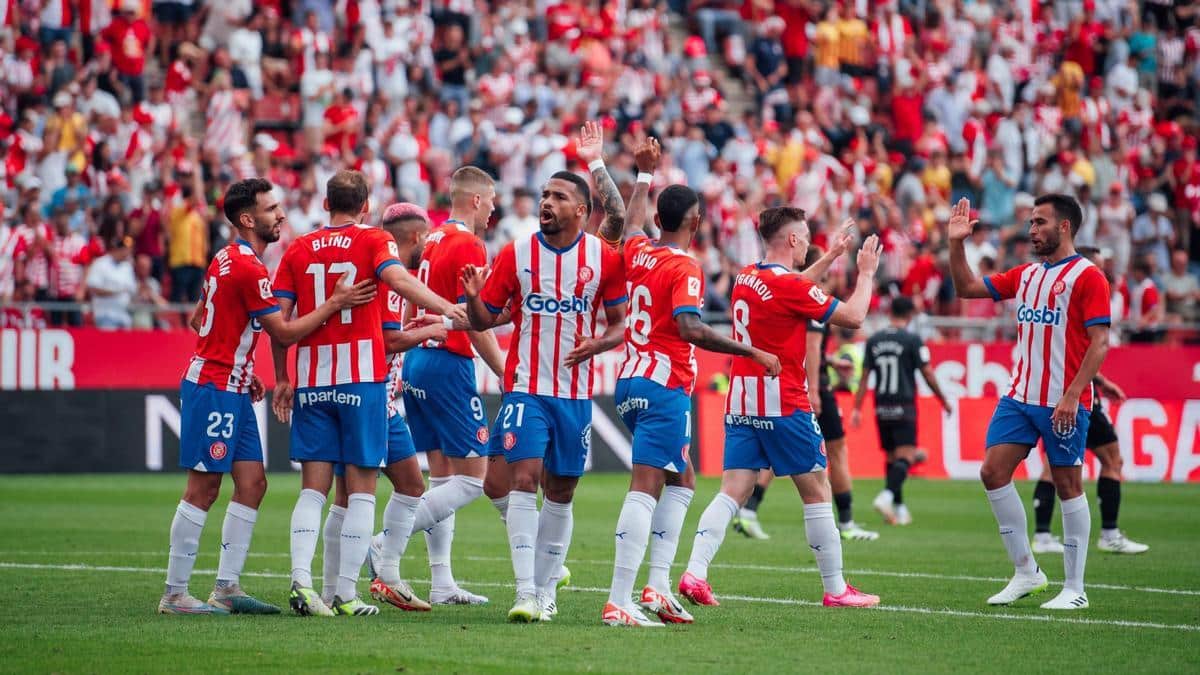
[(218, 450), (536, 303), (510, 440), (481, 434), (1046, 316), (585, 274)]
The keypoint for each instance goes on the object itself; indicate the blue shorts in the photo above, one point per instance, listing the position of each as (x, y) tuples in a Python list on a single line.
[(344, 423), (216, 429), (788, 445), (1024, 424), (442, 403), (557, 431), (399, 444), (660, 420)]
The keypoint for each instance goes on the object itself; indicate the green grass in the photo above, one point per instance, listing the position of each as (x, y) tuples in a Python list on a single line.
[(63, 614)]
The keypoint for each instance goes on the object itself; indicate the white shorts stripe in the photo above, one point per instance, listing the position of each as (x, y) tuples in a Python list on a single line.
[(751, 384), (737, 394), (194, 368), (771, 398)]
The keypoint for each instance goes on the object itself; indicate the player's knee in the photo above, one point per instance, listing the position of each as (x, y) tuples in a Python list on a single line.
[(993, 477), (1111, 461), (251, 491), (525, 482), (202, 496), (560, 493)]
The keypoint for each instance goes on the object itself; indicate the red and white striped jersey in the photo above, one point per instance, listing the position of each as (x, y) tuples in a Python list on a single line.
[(1143, 297), (1057, 304), (236, 292), (447, 251), (663, 282), (555, 297), (393, 319), (772, 306), (348, 348)]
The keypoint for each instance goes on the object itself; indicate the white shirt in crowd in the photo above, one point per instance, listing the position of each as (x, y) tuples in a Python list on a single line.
[(106, 274)]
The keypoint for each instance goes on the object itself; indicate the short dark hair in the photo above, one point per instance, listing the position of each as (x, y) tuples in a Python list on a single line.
[(772, 220), (242, 196), (902, 307), (674, 202), (581, 186), (1065, 208), (347, 192), (1087, 251)]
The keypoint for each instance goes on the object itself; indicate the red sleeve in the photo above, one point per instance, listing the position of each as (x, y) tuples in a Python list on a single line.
[(254, 285), (393, 307), (285, 283), (1003, 285), (688, 292), (806, 299), (384, 251), (1094, 297), (502, 284), (612, 277)]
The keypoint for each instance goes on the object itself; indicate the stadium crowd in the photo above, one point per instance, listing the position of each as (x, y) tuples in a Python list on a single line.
[(123, 122)]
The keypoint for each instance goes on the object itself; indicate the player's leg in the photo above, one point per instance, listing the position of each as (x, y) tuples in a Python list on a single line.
[(331, 535), (631, 538), (525, 430), (1043, 512), (1010, 436), (498, 482), (825, 543), (316, 477), (249, 486), (842, 486), (905, 437), (207, 424), (1102, 438), (388, 548), (1065, 453), (190, 515), (665, 528), (885, 502), (746, 522), (566, 455), (435, 517), (736, 485)]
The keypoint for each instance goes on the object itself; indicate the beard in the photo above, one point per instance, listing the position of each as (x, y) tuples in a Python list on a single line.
[(1047, 245), (550, 226), (269, 233)]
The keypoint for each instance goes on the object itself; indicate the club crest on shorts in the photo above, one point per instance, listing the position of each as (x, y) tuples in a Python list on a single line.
[(510, 440), (585, 439), (585, 274), (481, 434), (218, 450), (822, 447)]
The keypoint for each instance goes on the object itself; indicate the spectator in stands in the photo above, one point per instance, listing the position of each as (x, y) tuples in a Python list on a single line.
[(1153, 235), (69, 256), (130, 38), (1146, 310), (1182, 290), (112, 285), (717, 17), (521, 222), (187, 245), (148, 298)]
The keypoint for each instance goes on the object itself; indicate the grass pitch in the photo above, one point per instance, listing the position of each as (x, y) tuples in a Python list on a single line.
[(82, 561)]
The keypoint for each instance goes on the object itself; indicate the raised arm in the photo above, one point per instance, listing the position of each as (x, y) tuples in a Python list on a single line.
[(590, 148), (966, 284), (852, 312), (646, 156), (839, 245)]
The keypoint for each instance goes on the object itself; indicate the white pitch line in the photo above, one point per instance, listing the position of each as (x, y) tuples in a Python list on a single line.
[(745, 598), (728, 566)]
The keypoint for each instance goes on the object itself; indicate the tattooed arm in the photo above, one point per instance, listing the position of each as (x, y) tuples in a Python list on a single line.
[(590, 148)]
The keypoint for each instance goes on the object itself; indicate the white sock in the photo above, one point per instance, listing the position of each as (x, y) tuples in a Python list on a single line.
[(551, 589), (445, 496), (438, 542), (331, 553), (1077, 528), (710, 532), (665, 527), (397, 530), (553, 539), (356, 539), (501, 504), (185, 543), (1014, 528), (235, 541), (826, 545), (522, 537), (633, 529), (306, 520)]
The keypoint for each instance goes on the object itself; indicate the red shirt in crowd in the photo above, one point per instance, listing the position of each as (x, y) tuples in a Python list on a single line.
[(794, 38), (906, 113), (129, 40)]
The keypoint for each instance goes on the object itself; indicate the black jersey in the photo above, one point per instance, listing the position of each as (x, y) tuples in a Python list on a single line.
[(891, 360), (823, 380)]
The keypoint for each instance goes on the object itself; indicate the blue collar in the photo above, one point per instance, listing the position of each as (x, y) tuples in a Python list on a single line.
[(559, 251), (1067, 259), (662, 244), (339, 227), (242, 242), (766, 265)]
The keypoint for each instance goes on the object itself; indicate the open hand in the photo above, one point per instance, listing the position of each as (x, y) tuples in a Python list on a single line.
[(960, 224), (869, 254), (281, 401), (590, 145), (647, 154), (473, 278), (584, 351), (257, 390), (346, 296)]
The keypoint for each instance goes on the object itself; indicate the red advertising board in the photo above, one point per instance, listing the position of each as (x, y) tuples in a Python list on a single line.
[(1159, 425)]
